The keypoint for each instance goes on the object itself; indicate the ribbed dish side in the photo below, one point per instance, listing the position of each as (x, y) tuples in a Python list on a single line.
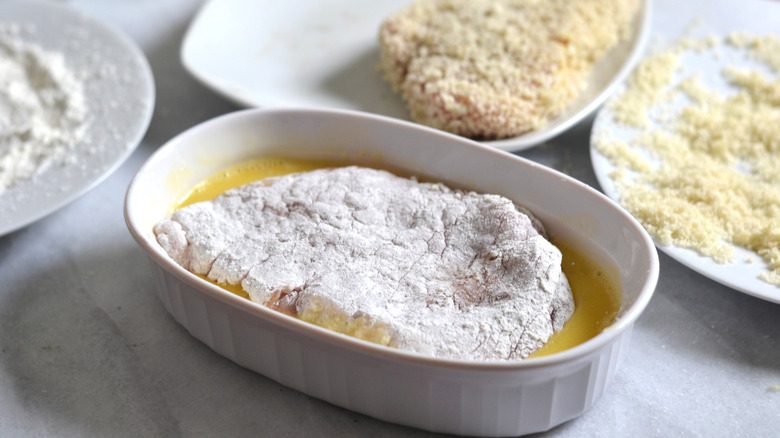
[(481, 405)]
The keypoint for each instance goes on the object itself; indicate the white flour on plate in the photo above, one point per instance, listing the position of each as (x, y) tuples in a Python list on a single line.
[(42, 109)]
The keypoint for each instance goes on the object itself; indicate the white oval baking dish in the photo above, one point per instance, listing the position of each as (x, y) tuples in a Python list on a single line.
[(460, 397)]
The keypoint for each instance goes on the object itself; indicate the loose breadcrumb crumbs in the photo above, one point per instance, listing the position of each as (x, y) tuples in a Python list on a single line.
[(646, 87), (709, 177)]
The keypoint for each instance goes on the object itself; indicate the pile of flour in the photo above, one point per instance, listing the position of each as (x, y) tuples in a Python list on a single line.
[(42, 108)]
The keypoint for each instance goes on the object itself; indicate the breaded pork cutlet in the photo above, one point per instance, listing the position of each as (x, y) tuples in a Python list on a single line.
[(493, 69)]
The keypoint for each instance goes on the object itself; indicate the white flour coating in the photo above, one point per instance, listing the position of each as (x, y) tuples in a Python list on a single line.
[(443, 272), (42, 110)]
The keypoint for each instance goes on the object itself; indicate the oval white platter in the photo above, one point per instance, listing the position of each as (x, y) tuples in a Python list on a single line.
[(119, 93), (307, 54), (697, 19)]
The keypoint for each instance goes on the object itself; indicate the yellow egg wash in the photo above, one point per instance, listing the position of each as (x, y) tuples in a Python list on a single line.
[(596, 301), (596, 298)]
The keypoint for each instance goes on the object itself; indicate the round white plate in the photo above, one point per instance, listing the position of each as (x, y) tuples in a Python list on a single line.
[(300, 53), (672, 20), (119, 92)]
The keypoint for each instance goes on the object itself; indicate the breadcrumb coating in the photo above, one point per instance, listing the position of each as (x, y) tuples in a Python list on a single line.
[(499, 68)]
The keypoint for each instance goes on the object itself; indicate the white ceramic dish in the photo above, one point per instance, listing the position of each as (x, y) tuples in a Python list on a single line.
[(119, 91), (461, 397), (299, 53), (672, 21)]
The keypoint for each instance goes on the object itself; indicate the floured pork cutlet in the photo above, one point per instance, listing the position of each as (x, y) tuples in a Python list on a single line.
[(416, 266), (498, 68)]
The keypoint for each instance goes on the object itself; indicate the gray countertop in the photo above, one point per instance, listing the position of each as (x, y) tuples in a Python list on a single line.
[(88, 349)]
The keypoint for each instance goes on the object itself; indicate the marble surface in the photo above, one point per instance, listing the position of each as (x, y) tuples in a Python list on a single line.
[(87, 350)]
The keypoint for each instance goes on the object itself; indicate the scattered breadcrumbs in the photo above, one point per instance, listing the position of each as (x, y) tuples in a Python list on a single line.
[(498, 68), (703, 168)]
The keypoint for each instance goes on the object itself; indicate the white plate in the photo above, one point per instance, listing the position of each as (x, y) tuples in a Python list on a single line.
[(119, 93), (300, 53), (672, 20)]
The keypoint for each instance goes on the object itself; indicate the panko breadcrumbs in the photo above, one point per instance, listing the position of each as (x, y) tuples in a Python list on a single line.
[(499, 68), (708, 177)]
